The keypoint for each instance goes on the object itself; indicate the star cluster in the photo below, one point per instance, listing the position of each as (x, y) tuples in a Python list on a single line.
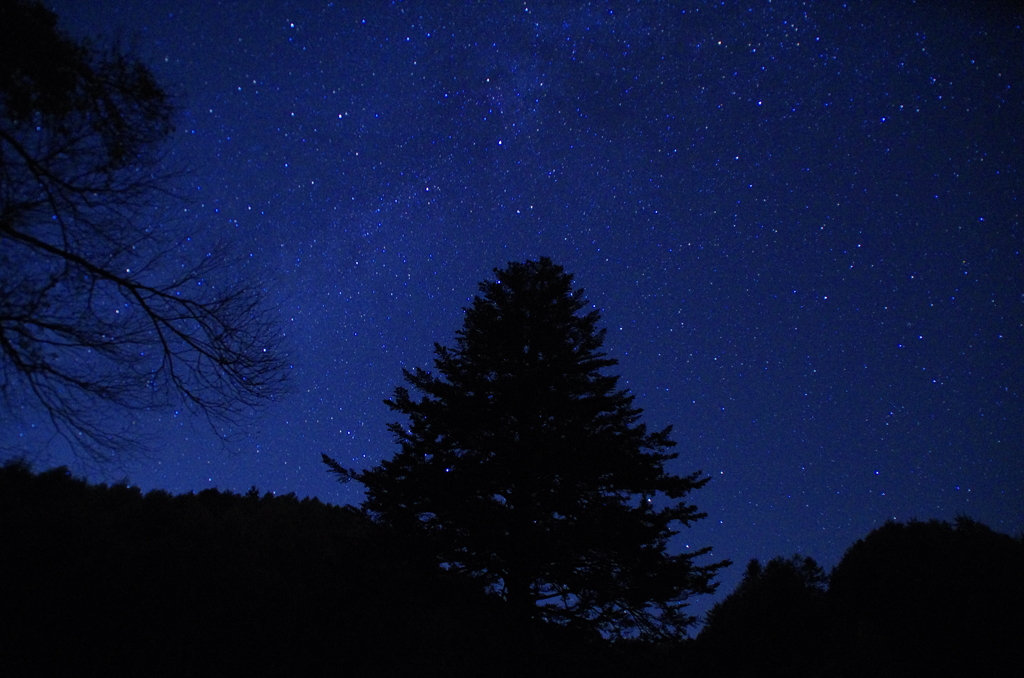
[(800, 221)]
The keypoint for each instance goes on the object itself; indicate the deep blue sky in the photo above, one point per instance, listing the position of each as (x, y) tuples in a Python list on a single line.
[(800, 221)]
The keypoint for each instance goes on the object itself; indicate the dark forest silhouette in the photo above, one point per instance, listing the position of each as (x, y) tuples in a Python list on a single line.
[(910, 599), (105, 580)]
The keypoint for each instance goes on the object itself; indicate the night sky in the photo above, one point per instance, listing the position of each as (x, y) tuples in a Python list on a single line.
[(801, 223)]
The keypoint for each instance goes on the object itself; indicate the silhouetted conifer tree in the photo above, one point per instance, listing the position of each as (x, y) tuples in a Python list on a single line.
[(525, 466)]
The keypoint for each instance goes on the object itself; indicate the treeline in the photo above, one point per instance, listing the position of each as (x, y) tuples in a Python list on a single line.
[(106, 580), (910, 599)]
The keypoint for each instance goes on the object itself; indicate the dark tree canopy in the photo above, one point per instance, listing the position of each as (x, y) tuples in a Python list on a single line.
[(772, 624), (523, 465), (910, 599), (768, 598), (217, 583), (100, 310), (930, 598)]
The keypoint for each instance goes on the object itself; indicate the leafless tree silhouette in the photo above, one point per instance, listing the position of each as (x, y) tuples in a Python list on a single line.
[(102, 306)]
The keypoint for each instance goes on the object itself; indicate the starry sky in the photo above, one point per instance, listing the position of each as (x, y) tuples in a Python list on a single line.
[(800, 221)]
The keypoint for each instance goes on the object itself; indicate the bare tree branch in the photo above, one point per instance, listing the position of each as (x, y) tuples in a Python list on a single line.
[(100, 306)]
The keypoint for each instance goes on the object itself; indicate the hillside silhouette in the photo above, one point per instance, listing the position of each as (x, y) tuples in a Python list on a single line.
[(106, 580)]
